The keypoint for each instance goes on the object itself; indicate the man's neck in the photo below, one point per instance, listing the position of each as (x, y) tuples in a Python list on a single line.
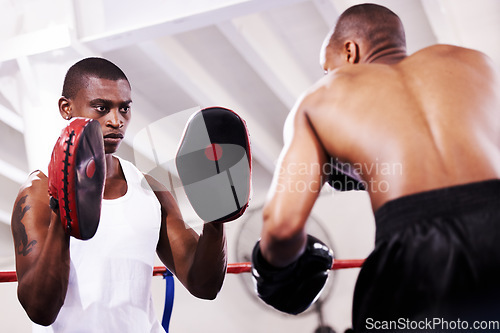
[(111, 165), (387, 56), (116, 183)]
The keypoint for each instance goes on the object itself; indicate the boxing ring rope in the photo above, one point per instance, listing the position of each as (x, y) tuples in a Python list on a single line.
[(233, 268), (8, 277)]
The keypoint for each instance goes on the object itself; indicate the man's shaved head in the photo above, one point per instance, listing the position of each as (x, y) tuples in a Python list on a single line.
[(375, 26), (78, 74)]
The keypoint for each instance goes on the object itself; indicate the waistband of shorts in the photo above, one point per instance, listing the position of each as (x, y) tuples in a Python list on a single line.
[(449, 201)]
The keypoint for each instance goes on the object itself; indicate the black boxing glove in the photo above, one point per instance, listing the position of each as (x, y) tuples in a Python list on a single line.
[(292, 289)]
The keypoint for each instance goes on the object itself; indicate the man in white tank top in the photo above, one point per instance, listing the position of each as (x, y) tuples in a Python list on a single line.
[(103, 284)]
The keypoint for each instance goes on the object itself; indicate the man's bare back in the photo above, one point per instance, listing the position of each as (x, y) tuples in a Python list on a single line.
[(429, 121), (414, 127)]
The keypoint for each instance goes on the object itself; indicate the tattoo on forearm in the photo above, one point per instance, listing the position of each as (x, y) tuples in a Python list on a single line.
[(19, 231)]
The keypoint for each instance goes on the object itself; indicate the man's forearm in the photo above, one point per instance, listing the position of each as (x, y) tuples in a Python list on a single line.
[(42, 288), (209, 263)]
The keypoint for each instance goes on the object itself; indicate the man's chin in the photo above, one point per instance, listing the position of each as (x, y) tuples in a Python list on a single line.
[(111, 145), (108, 149)]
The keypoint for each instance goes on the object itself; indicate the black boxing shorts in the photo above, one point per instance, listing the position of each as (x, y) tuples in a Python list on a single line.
[(436, 263)]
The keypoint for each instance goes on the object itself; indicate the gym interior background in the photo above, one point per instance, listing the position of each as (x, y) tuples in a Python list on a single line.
[(255, 57)]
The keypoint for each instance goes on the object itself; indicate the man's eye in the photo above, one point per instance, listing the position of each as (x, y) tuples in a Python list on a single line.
[(101, 108), (125, 109)]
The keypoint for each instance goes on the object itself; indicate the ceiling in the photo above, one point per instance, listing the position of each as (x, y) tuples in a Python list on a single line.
[(255, 57)]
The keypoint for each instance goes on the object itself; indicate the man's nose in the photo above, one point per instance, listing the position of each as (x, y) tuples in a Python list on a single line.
[(114, 119)]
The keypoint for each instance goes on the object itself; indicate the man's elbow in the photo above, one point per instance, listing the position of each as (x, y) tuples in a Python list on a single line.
[(205, 293), (39, 312), (206, 288), (41, 318), (40, 315)]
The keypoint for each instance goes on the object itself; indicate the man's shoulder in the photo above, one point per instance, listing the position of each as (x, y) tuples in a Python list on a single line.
[(37, 180), (35, 186), (443, 58), (154, 183), (128, 167), (450, 52), (331, 82), (122, 161), (357, 75), (445, 48)]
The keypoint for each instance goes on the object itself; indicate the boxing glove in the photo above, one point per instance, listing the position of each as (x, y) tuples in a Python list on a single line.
[(214, 164), (292, 289), (76, 177)]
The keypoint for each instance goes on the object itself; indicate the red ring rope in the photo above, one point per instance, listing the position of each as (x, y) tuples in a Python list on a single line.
[(8, 277), (234, 268), (246, 267)]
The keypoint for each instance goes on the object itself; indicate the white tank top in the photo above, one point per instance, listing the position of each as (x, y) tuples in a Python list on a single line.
[(110, 275)]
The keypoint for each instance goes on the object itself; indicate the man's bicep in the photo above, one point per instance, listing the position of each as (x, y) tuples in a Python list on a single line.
[(23, 245), (29, 223), (299, 176)]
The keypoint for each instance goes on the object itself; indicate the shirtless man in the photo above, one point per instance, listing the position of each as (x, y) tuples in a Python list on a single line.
[(104, 283), (437, 114)]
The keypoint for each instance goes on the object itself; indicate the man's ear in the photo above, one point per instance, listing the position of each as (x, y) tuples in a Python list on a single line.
[(351, 52), (65, 107)]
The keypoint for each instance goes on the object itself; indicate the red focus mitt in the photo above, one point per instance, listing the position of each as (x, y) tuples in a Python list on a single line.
[(76, 177), (214, 164)]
